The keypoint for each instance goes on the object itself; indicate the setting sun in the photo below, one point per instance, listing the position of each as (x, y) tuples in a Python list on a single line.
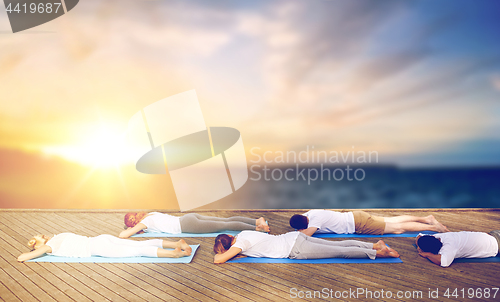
[(101, 147)]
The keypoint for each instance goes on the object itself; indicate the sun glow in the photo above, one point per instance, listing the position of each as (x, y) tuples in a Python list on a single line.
[(103, 146)]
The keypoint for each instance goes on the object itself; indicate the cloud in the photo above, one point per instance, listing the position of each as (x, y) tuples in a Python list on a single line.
[(495, 81)]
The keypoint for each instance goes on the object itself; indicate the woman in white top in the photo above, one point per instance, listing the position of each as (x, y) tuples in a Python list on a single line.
[(72, 245), (295, 245), (189, 223)]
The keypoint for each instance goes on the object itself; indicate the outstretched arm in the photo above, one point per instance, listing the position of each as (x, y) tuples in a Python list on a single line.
[(131, 231), (436, 259), (36, 253), (221, 258), (309, 231)]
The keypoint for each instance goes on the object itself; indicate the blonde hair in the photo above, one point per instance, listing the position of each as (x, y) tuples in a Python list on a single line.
[(36, 242)]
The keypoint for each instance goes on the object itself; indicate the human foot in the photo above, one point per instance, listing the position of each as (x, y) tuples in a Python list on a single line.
[(181, 244), (181, 253), (379, 245), (441, 228), (260, 221), (431, 220), (263, 228), (387, 252)]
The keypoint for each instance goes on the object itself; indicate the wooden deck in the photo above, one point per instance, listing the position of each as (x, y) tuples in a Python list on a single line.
[(204, 281)]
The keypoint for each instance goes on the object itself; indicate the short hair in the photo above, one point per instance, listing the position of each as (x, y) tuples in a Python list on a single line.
[(429, 244), (299, 222), (222, 243)]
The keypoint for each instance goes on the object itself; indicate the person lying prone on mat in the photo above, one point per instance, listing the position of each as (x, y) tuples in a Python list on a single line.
[(442, 249), (189, 223), (295, 245), (72, 245), (360, 222)]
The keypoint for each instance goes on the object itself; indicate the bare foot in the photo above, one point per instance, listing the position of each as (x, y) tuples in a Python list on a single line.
[(393, 253), (180, 253), (441, 228), (181, 244), (379, 245), (263, 228), (432, 220), (387, 252), (260, 221)]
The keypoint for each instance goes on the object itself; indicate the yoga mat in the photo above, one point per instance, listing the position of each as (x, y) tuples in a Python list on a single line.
[(472, 260), (153, 234), (465, 260), (97, 259), (327, 260), (407, 234)]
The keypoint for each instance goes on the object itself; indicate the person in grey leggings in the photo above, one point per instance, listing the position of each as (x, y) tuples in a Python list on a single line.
[(189, 223), (295, 245), (196, 223)]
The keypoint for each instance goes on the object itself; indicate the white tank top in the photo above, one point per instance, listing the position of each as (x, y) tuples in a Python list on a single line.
[(162, 223), (69, 245)]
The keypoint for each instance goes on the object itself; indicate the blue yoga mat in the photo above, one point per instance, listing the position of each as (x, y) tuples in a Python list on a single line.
[(97, 259), (472, 260), (327, 260), (465, 260), (407, 234), (154, 234)]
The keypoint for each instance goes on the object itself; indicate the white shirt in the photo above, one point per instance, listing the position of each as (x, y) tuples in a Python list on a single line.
[(258, 244), (331, 221), (466, 245), (69, 245), (162, 223)]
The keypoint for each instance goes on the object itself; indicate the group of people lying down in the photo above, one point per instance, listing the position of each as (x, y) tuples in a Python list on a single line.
[(254, 240)]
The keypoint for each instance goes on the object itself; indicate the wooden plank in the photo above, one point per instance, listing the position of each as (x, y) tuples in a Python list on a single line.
[(91, 280), (5, 293), (205, 280), (45, 280), (24, 288), (128, 289), (19, 291), (74, 287)]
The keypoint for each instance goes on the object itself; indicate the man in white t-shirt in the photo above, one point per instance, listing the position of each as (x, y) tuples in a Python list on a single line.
[(442, 249), (360, 222)]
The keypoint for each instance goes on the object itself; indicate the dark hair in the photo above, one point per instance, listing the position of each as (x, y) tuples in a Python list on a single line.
[(429, 244), (222, 243), (298, 222)]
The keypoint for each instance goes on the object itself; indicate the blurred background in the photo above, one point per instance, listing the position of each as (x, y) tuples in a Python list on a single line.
[(417, 82)]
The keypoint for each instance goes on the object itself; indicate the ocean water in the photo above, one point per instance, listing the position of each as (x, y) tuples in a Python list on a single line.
[(381, 187)]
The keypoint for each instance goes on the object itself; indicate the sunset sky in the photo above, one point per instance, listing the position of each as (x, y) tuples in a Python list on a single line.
[(417, 81)]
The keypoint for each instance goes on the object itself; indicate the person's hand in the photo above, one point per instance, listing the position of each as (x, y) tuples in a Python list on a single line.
[(422, 253)]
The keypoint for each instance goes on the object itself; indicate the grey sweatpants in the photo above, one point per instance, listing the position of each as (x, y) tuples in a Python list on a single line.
[(496, 234), (306, 247), (196, 223)]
